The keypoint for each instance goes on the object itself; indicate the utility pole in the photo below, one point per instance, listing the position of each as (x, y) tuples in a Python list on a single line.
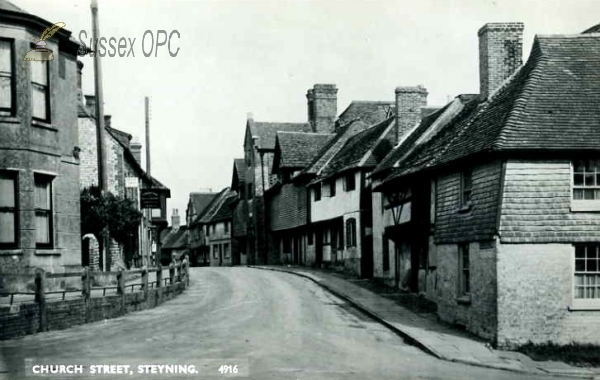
[(147, 108), (102, 173), (154, 235)]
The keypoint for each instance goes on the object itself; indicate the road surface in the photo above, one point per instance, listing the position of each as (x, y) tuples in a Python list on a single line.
[(271, 325)]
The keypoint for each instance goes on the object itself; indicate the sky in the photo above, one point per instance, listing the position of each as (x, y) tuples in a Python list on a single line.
[(261, 56)]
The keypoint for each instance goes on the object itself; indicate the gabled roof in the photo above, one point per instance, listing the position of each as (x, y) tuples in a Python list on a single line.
[(370, 112), (175, 238), (266, 132), (364, 149), (225, 209), (210, 211), (124, 138), (201, 200), (593, 29), (238, 177), (550, 104), (333, 146), (295, 150)]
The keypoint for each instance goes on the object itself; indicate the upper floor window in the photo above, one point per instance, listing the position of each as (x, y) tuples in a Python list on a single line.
[(586, 179), (226, 227), (7, 81), (351, 232), (466, 188), (332, 188), (317, 192), (349, 182), (8, 210), (43, 211), (40, 90)]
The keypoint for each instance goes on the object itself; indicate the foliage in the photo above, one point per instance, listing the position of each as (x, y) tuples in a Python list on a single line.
[(574, 353), (99, 210)]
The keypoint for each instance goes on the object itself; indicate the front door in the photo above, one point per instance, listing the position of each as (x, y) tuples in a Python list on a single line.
[(318, 247)]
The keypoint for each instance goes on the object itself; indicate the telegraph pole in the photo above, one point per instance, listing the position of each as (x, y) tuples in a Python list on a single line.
[(154, 235), (102, 173)]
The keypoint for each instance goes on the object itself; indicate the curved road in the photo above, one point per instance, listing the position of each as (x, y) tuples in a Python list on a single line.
[(274, 325)]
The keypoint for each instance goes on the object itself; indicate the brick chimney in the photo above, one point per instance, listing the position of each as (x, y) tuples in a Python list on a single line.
[(500, 54), (409, 101), (136, 150), (175, 219), (90, 104), (322, 107)]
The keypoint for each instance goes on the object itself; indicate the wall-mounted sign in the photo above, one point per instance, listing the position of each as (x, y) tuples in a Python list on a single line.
[(149, 199), (131, 182)]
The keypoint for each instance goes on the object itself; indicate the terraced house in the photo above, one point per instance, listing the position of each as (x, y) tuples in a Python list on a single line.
[(502, 195), (39, 164)]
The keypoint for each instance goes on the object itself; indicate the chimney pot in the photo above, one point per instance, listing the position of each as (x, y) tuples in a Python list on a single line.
[(500, 54), (175, 222), (322, 107)]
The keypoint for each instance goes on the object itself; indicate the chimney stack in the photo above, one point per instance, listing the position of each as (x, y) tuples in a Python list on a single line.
[(322, 107), (500, 54), (107, 120), (79, 81), (90, 104), (409, 101), (136, 150), (175, 219)]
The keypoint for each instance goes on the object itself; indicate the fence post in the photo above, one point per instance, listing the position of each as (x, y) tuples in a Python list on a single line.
[(40, 296), (171, 273), (145, 282), (179, 271), (120, 282), (159, 277)]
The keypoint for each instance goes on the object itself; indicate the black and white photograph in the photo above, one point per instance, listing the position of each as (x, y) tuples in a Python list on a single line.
[(300, 189)]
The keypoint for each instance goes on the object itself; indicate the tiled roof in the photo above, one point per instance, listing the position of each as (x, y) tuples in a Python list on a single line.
[(364, 149), (370, 112), (298, 149), (225, 210), (175, 238), (214, 208), (333, 146), (240, 166), (266, 132), (238, 177), (123, 137), (593, 29), (552, 103), (201, 200)]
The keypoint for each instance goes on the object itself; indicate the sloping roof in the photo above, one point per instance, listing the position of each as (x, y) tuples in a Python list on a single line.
[(238, 177), (333, 146), (240, 166), (214, 208), (370, 112), (200, 200), (364, 149), (175, 238), (266, 132), (593, 29), (124, 138), (225, 209), (552, 103), (298, 149)]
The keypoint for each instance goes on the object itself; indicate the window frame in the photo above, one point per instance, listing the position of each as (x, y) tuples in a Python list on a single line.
[(332, 187), (49, 212), (317, 192), (14, 175), (464, 203), (226, 251), (585, 303), (349, 182), (47, 118), (464, 287), (11, 111), (351, 233), (584, 204)]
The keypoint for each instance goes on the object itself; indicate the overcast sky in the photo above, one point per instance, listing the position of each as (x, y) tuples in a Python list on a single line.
[(261, 56)]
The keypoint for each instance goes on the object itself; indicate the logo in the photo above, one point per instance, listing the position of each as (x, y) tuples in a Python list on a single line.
[(41, 52)]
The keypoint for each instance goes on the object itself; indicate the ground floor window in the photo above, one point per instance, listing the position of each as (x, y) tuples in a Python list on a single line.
[(8, 210), (587, 271), (464, 272), (215, 251), (351, 232), (43, 211), (386, 254), (226, 249)]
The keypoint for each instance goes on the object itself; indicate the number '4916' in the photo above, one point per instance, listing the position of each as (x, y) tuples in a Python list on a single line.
[(228, 368)]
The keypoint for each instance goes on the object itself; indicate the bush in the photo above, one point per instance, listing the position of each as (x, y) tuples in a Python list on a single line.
[(574, 353)]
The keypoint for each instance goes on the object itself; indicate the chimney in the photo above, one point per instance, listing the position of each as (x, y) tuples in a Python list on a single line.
[(409, 101), (107, 119), (500, 54), (322, 107), (136, 150), (175, 219), (90, 104)]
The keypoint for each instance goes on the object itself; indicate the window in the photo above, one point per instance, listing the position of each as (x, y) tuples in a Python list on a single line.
[(43, 211), (586, 179), (349, 182), (464, 273), (226, 227), (386, 253), (326, 237), (318, 192), (7, 88), (214, 228), (587, 275), (40, 94), (155, 213), (351, 232), (466, 184), (310, 238), (8, 210), (226, 250), (250, 191), (215, 251), (332, 188)]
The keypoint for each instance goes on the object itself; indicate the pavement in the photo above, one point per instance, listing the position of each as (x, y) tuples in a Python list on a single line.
[(426, 332), (272, 325)]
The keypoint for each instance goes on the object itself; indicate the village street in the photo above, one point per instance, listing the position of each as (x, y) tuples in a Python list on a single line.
[(276, 325)]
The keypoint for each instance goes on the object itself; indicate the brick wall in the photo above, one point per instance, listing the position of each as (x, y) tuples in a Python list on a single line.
[(536, 205), (534, 292), (409, 101), (23, 319), (479, 223), (479, 316)]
